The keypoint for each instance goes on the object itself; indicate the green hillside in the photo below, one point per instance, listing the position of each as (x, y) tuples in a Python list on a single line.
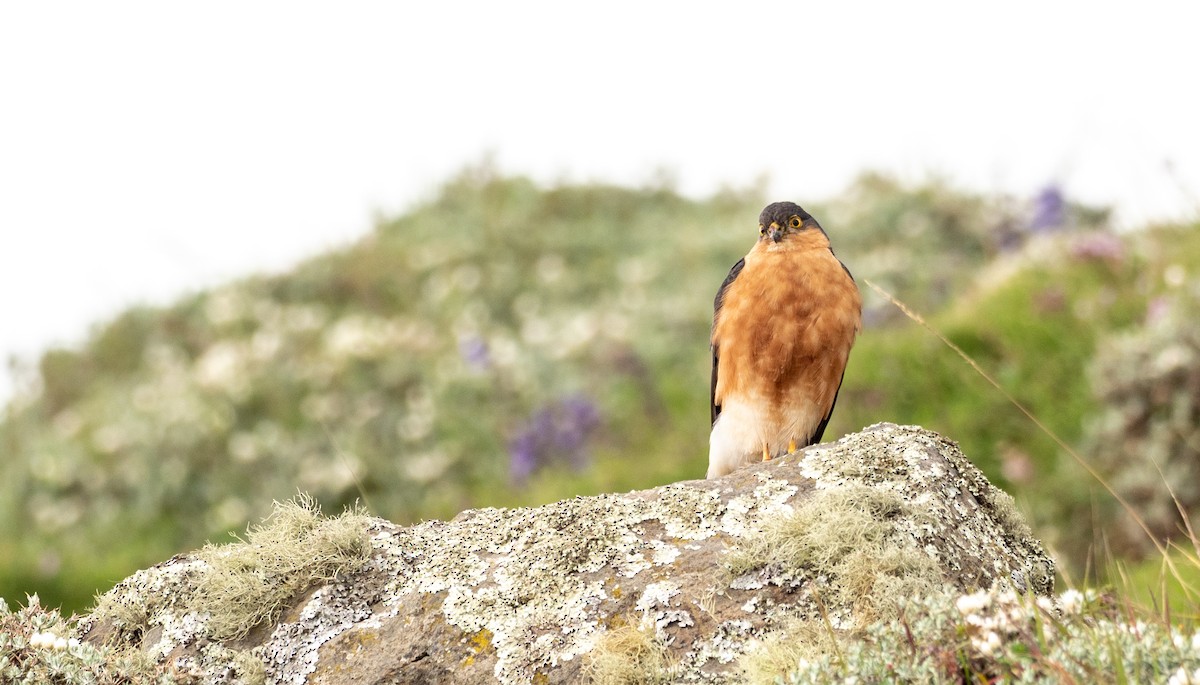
[(506, 344)]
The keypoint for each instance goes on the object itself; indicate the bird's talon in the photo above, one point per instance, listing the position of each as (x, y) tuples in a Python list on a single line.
[(791, 446)]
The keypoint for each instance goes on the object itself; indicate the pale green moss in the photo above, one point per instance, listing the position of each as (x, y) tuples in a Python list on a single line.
[(628, 655), (778, 652), (847, 536), (247, 584)]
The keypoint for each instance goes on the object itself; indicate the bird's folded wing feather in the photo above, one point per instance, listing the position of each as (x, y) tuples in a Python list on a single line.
[(820, 431), (717, 302)]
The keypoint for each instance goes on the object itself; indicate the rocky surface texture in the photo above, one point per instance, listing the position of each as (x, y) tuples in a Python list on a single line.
[(697, 572)]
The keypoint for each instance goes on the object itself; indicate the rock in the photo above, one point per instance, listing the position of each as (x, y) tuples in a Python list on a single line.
[(674, 583)]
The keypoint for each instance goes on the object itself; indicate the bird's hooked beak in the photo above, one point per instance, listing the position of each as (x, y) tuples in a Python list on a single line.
[(775, 231)]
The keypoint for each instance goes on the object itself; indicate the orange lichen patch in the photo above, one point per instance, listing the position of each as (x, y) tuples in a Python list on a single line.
[(481, 640), (479, 643)]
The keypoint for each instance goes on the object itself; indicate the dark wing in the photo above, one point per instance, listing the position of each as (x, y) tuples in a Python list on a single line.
[(820, 431), (717, 302), (843, 266)]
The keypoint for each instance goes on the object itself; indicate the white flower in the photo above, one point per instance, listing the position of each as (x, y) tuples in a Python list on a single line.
[(47, 640), (989, 644), (972, 603), (1071, 601), (222, 365), (1181, 677), (1175, 275)]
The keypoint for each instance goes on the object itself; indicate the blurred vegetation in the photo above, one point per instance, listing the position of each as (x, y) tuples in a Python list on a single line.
[(1145, 436), (505, 344)]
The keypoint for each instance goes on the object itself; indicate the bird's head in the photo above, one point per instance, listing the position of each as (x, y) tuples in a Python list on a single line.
[(782, 219)]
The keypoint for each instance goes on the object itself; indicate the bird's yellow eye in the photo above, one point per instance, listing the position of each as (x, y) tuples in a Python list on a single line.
[(762, 230), (794, 222)]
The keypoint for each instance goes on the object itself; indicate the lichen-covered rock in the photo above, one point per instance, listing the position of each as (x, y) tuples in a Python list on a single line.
[(679, 581)]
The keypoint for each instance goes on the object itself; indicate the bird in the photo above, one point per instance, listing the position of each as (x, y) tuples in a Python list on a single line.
[(784, 321)]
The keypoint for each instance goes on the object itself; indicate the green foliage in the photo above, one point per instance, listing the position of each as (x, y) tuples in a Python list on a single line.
[(38, 647), (1034, 330), (1146, 436), (996, 637), (1167, 583), (881, 226)]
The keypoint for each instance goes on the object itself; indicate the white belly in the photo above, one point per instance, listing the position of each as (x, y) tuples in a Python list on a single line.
[(740, 433)]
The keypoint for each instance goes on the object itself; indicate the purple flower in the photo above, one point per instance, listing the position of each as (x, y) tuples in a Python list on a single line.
[(1049, 210), (474, 352), (522, 456), (1098, 246), (556, 433), (576, 418)]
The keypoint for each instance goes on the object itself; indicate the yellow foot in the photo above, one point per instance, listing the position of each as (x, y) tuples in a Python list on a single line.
[(766, 453), (791, 446)]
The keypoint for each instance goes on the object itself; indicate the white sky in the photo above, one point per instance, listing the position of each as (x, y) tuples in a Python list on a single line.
[(150, 148)]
